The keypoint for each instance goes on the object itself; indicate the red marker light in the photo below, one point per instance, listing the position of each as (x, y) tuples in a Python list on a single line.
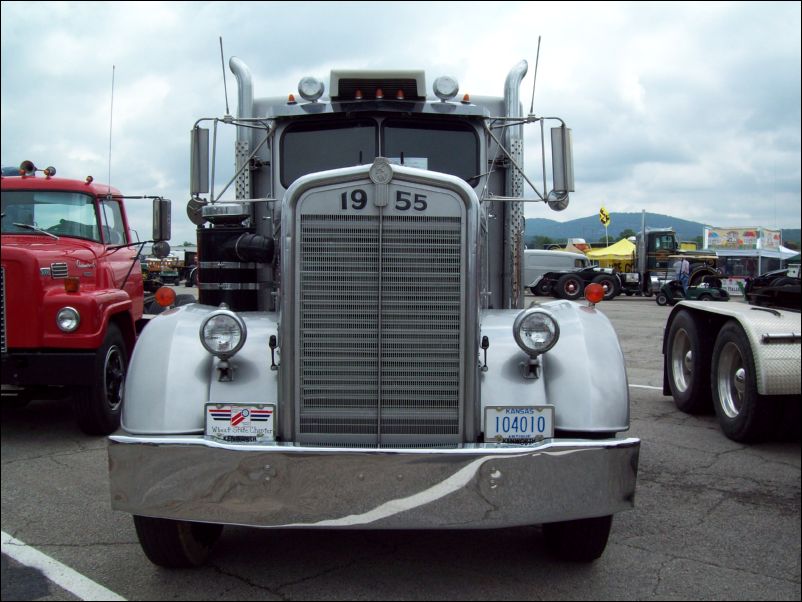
[(399, 95), (466, 99), (379, 94), (165, 296), (594, 292), (72, 284), (358, 94)]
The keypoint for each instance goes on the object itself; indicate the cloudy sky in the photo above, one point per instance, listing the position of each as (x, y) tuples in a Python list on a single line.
[(691, 110)]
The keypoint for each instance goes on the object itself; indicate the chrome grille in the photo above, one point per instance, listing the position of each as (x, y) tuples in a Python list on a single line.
[(380, 329), (59, 270)]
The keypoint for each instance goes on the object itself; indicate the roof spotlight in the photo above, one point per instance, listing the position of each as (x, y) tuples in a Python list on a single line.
[(310, 88), (445, 87)]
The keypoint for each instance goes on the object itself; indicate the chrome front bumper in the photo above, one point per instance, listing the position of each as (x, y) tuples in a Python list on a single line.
[(482, 486)]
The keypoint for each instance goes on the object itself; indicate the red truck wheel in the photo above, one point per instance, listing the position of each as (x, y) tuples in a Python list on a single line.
[(97, 408)]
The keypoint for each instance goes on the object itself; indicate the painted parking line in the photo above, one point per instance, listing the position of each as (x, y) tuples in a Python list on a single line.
[(646, 387), (60, 574)]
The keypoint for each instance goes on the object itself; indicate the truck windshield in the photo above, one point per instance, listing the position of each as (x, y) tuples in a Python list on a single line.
[(310, 147), (59, 213), (448, 147), (444, 146)]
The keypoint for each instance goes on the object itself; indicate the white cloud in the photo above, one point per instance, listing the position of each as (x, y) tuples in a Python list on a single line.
[(691, 109)]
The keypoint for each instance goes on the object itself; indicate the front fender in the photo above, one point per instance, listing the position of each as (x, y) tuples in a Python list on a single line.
[(171, 375), (583, 375)]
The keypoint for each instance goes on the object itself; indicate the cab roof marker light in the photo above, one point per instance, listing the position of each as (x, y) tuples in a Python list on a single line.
[(291, 99), (399, 95), (358, 94), (466, 99), (379, 94)]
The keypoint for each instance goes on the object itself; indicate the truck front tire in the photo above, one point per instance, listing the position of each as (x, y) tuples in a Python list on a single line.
[(580, 540), (687, 364), (97, 407), (176, 543), (743, 414)]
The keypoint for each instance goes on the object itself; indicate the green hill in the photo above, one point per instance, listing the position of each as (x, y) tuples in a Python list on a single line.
[(591, 229)]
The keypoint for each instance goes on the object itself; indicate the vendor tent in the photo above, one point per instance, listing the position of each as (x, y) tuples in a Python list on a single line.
[(619, 256), (620, 251)]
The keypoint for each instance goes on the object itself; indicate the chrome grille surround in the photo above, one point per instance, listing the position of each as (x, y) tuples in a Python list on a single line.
[(382, 315)]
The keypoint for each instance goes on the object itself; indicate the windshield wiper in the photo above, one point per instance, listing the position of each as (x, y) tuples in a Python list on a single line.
[(35, 229)]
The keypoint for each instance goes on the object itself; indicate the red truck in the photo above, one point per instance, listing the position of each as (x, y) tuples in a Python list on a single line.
[(71, 293)]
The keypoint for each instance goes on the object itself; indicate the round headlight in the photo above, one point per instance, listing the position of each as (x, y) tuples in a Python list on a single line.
[(68, 319), (535, 331), (223, 333)]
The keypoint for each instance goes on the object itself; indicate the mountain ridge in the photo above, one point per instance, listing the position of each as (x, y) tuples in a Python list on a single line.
[(591, 229)]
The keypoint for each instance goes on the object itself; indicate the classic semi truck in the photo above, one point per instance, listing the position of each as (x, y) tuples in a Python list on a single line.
[(71, 293), (360, 357), (652, 266)]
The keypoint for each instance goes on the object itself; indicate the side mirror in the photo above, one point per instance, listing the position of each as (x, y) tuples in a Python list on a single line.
[(161, 249), (161, 219), (562, 159), (562, 164), (199, 162)]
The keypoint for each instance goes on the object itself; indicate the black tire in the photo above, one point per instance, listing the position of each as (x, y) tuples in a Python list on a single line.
[(543, 288), (97, 407), (687, 362), (661, 299), (569, 286), (705, 297), (612, 287), (742, 413), (582, 540), (175, 543)]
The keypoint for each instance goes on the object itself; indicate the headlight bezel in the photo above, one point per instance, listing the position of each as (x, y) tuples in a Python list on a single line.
[(223, 354), (518, 327), (68, 319)]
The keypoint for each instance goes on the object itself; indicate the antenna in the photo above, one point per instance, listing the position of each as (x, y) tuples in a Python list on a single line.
[(534, 81), (223, 65), (111, 117)]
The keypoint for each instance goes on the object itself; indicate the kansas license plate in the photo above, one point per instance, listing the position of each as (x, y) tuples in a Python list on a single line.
[(518, 423), (244, 423)]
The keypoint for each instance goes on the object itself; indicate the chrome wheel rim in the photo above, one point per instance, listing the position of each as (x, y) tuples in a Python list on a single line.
[(731, 380), (682, 361)]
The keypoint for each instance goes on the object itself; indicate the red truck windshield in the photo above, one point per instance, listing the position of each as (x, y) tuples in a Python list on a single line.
[(58, 213)]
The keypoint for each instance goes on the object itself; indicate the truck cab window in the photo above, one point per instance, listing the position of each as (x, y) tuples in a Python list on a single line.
[(111, 218), (59, 213), (310, 147), (451, 148)]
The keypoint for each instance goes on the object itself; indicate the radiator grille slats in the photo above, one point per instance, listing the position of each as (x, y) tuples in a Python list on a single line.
[(380, 329)]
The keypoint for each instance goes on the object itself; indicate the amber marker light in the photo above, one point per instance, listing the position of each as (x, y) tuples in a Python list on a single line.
[(165, 296), (594, 292), (72, 284), (291, 99)]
